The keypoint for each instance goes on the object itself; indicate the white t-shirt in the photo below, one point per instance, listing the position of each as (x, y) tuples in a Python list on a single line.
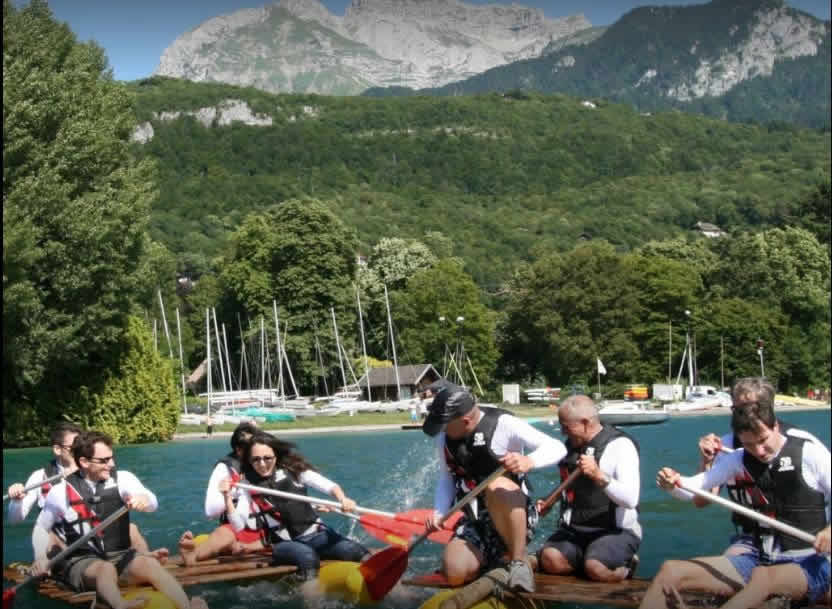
[(19, 508), (510, 435), (214, 500), (56, 507)]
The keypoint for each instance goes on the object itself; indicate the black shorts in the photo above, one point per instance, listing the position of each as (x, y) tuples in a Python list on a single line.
[(482, 535), (71, 571), (612, 549)]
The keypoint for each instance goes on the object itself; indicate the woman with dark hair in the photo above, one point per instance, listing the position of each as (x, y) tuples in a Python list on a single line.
[(292, 528)]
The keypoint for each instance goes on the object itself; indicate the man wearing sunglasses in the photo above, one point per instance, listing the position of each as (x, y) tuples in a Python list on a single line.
[(85, 498), (21, 502)]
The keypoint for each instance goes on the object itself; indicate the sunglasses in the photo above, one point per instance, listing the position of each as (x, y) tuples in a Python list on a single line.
[(102, 460), (255, 460)]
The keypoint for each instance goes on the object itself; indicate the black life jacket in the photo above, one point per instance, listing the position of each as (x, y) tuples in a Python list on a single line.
[(233, 464), (91, 510), (276, 514), (742, 488), (590, 505), (470, 459), (784, 495)]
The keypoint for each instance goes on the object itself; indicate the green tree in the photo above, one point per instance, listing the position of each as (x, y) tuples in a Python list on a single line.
[(140, 400), (446, 291), (75, 208), (299, 254)]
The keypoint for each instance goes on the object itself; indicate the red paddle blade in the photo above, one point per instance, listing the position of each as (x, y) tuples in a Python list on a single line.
[(8, 597), (386, 529), (418, 517), (383, 570)]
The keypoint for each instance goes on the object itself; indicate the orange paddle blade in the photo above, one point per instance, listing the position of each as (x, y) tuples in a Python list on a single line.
[(382, 570), (405, 525)]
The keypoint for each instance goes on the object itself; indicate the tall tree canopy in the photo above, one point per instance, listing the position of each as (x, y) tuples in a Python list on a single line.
[(75, 209), (301, 255)]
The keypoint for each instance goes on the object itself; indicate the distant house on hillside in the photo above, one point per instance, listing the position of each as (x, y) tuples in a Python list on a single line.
[(588, 104), (411, 379), (709, 230)]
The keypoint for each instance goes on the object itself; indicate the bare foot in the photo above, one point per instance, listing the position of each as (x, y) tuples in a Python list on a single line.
[(197, 602), (237, 548), (187, 548), (620, 574), (160, 554)]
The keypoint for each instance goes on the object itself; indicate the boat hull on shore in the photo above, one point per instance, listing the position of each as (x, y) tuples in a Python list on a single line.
[(624, 412)]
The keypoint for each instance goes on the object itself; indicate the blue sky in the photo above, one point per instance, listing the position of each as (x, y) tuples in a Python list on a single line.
[(135, 34)]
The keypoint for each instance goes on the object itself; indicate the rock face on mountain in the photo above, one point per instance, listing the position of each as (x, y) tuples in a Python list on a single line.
[(299, 46), (736, 59)]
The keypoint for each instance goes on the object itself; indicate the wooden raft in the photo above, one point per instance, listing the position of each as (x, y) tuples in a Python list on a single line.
[(216, 570), (568, 589)]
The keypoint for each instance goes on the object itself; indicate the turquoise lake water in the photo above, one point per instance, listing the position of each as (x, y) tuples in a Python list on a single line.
[(392, 471)]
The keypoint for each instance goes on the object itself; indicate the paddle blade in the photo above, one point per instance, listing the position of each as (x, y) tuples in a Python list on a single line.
[(383, 570), (386, 529), (8, 597)]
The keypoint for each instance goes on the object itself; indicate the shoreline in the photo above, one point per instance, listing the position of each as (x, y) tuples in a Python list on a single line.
[(200, 435)]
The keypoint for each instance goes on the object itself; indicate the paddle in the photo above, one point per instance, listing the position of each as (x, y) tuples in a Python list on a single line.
[(550, 499), (382, 570), (784, 528), (10, 593), (35, 485), (378, 523)]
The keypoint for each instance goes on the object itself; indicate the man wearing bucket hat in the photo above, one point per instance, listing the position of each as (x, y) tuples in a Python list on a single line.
[(472, 442)]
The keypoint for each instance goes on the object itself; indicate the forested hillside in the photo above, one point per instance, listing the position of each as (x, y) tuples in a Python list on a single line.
[(500, 175)]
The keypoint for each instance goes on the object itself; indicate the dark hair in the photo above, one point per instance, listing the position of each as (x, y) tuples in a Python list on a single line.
[(752, 417), (84, 445), (293, 462), (56, 437), (752, 390), (239, 431)]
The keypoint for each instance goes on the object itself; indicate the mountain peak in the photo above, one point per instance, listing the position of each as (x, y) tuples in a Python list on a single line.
[(298, 45)]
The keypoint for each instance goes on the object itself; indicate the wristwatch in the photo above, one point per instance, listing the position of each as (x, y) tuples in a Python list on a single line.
[(605, 481)]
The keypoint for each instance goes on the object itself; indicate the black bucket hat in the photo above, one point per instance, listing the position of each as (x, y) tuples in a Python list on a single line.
[(450, 401)]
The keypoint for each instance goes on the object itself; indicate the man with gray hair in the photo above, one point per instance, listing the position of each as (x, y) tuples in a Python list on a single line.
[(598, 533), (472, 442)]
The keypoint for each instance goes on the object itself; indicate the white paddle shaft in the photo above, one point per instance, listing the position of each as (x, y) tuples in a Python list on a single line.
[(33, 486), (311, 500), (762, 518)]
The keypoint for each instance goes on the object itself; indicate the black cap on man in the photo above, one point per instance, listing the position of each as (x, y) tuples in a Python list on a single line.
[(450, 401)]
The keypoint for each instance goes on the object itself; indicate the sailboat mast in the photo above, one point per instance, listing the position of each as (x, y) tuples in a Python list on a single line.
[(208, 354), (227, 359), (165, 323), (392, 343), (279, 354), (181, 363), (219, 349), (338, 347), (363, 344)]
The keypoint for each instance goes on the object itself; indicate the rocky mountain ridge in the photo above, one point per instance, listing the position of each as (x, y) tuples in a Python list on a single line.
[(299, 46)]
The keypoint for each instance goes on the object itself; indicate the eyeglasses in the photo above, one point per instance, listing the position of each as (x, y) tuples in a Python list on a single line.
[(255, 460), (66, 446), (102, 460), (740, 405)]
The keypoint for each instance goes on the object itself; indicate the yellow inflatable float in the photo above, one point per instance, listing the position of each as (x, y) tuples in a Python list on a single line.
[(490, 603), (342, 579), (155, 599)]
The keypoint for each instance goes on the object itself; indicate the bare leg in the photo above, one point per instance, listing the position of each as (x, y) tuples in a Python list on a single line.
[(554, 562), (786, 580), (221, 540), (148, 570), (104, 577), (460, 562), (507, 507), (598, 571), (713, 574)]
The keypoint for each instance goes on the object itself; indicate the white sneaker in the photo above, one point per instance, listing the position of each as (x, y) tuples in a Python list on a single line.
[(520, 576)]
